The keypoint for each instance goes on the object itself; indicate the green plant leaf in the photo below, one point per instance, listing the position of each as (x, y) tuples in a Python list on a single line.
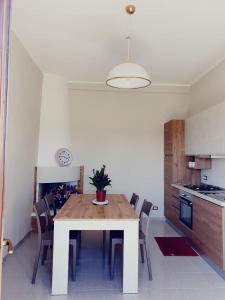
[(100, 180)]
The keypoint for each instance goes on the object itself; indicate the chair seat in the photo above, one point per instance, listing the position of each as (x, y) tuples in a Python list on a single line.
[(117, 236), (46, 236)]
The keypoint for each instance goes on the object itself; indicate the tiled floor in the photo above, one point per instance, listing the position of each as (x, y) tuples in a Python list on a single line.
[(186, 278)]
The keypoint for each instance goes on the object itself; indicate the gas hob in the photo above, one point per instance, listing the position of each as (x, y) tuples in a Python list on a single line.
[(204, 188), (211, 191)]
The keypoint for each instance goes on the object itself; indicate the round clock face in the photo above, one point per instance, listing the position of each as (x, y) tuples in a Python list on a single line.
[(63, 157)]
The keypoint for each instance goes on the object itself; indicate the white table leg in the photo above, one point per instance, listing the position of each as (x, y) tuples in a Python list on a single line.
[(130, 257), (60, 259)]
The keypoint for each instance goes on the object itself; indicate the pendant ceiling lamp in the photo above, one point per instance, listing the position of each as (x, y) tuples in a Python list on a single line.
[(128, 75)]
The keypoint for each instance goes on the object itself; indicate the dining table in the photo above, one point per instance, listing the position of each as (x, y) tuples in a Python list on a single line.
[(79, 213)]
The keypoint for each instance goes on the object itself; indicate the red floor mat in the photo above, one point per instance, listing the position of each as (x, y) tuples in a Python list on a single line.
[(174, 246)]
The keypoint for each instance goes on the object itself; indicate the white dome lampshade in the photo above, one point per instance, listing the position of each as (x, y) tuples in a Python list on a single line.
[(128, 75)]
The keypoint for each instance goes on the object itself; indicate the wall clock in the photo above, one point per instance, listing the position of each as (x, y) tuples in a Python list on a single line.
[(63, 157)]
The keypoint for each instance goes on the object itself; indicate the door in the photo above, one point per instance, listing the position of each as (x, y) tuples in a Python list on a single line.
[(5, 6)]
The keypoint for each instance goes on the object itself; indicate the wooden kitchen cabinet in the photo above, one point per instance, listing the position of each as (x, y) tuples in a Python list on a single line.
[(172, 206), (174, 138), (200, 163), (168, 138), (208, 226), (208, 229), (208, 232), (174, 166)]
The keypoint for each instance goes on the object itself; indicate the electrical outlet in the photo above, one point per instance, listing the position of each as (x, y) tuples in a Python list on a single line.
[(204, 177), (155, 208)]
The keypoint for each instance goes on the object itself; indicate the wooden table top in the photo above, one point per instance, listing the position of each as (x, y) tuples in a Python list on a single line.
[(81, 207)]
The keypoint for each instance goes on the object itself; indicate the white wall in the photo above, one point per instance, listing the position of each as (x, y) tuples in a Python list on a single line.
[(205, 131), (209, 90), (25, 82), (205, 127), (124, 130), (55, 126), (216, 175)]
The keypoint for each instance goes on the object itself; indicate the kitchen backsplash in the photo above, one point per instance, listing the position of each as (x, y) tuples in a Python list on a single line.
[(216, 175)]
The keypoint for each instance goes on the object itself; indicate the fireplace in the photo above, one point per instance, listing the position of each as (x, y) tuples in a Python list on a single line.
[(61, 181), (60, 190)]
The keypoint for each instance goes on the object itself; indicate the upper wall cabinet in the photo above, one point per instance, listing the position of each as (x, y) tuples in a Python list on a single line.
[(205, 131), (198, 163)]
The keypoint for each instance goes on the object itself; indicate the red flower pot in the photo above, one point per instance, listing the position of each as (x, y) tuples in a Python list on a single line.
[(100, 196)]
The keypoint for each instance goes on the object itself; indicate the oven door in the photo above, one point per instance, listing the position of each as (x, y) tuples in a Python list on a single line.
[(186, 212)]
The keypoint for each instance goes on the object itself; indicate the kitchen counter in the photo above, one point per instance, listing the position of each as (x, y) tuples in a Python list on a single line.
[(197, 194)]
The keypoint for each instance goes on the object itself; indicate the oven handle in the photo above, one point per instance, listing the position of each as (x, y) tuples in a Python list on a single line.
[(186, 201), (185, 195)]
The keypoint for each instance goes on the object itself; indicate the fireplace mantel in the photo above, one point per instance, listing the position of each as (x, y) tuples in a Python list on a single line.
[(57, 174), (45, 174)]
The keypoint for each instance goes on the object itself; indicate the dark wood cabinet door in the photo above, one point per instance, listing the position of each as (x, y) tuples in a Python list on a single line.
[(168, 169), (172, 205), (174, 168), (208, 229), (168, 139)]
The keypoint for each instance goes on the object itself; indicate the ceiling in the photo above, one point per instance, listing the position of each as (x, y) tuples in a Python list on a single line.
[(176, 41)]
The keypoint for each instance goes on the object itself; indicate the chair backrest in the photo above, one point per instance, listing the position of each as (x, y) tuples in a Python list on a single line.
[(40, 210), (145, 210), (134, 200), (50, 203)]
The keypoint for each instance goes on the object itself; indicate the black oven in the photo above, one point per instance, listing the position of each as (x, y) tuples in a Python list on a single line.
[(186, 209)]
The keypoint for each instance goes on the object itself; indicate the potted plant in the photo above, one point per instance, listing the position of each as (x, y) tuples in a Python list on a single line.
[(100, 180)]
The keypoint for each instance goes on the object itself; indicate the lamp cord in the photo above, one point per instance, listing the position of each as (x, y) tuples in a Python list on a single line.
[(128, 38)]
